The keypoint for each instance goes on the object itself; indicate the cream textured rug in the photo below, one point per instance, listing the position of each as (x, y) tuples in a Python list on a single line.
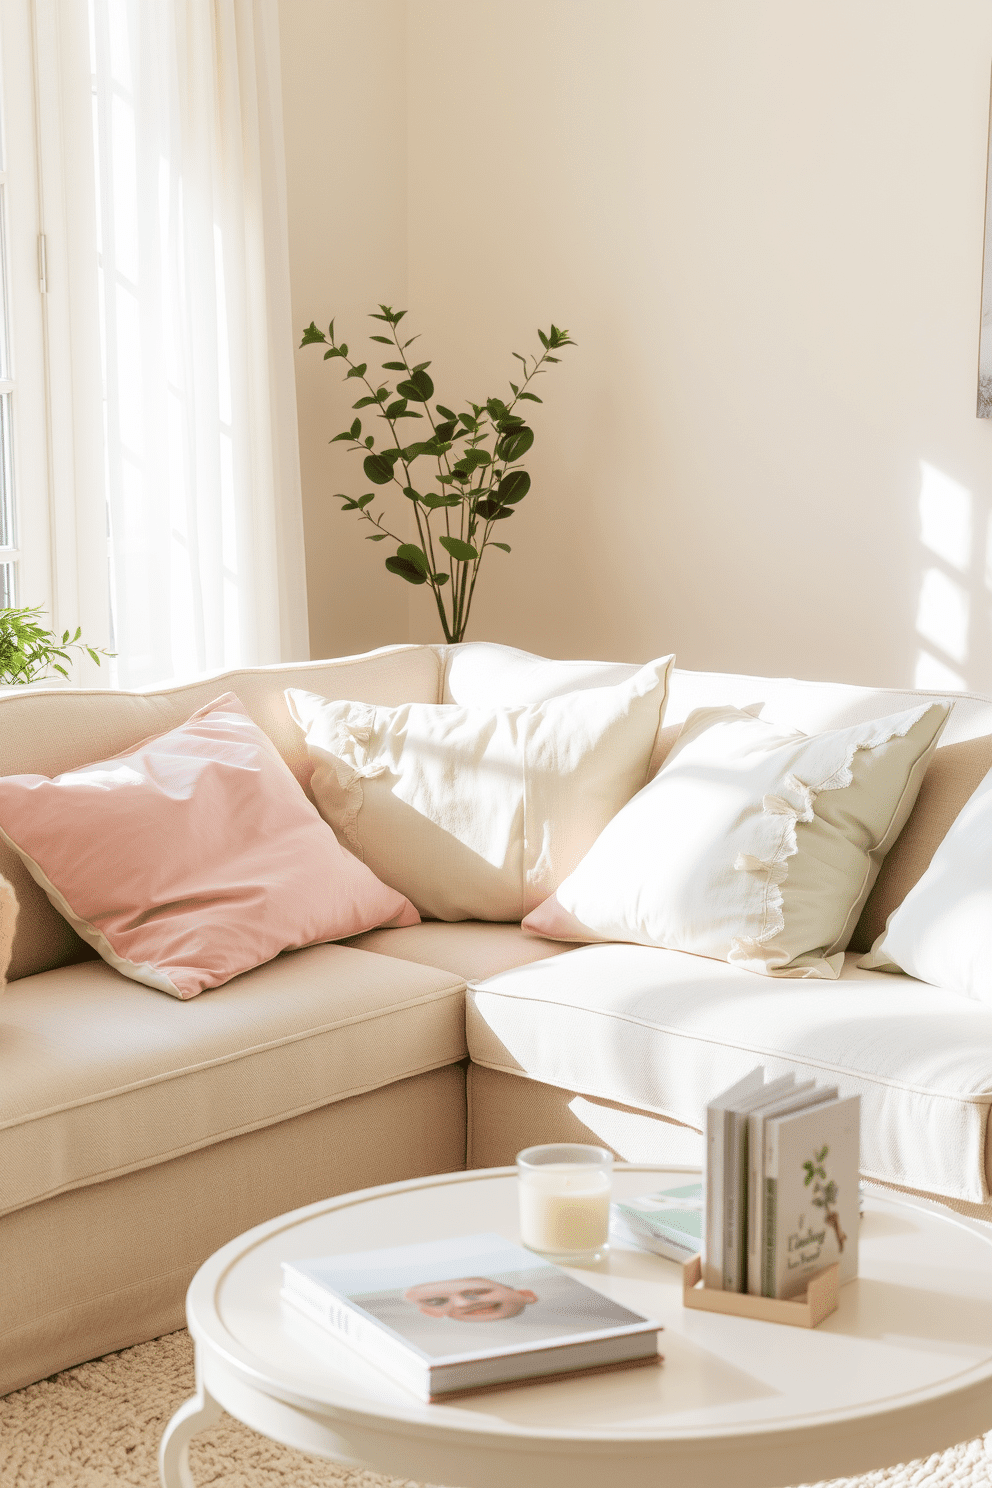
[(99, 1426)]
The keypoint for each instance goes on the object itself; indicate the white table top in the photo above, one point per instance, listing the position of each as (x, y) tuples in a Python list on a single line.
[(906, 1359)]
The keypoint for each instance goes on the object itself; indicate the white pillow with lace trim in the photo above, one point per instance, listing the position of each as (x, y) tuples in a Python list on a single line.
[(753, 844), (481, 812)]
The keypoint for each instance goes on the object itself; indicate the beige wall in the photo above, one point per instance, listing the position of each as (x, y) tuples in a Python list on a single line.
[(762, 223), (344, 105)]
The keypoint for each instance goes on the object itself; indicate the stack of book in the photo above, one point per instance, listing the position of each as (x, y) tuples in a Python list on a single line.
[(782, 1173)]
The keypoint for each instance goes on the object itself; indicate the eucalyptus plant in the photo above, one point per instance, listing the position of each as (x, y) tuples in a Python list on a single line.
[(29, 651), (475, 480)]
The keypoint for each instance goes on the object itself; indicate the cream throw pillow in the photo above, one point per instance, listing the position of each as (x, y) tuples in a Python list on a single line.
[(942, 930), (479, 813), (753, 844)]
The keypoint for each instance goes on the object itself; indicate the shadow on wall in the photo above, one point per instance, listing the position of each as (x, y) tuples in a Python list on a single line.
[(954, 612)]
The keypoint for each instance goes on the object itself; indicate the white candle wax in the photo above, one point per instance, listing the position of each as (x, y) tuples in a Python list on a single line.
[(564, 1207)]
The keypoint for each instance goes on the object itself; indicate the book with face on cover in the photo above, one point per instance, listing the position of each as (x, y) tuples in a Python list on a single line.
[(811, 1179), (447, 1317)]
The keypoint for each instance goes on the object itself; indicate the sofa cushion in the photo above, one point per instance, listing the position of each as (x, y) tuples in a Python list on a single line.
[(663, 1031), (479, 813), (47, 732), (100, 1076), (472, 949)]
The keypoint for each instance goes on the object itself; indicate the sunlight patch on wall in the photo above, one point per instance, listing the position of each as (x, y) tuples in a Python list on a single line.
[(943, 616), (945, 517)]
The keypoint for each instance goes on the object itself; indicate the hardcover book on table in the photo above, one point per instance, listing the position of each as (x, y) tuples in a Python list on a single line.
[(446, 1317), (668, 1222), (810, 1218)]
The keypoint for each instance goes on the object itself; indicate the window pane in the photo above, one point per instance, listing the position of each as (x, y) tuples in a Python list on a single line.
[(7, 536), (8, 585), (4, 355)]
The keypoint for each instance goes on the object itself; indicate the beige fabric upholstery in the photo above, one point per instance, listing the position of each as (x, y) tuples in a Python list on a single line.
[(102, 1267), (8, 919), (955, 772), (662, 1031), (46, 732), (508, 1112), (99, 1075), (472, 949)]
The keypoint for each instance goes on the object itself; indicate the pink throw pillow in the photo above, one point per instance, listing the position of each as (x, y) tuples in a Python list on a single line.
[(193, 856)]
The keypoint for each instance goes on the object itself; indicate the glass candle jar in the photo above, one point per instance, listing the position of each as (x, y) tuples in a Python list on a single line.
[(564, 1192)]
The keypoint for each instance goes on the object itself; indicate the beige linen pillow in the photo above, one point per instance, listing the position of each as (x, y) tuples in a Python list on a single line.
[(479, 813), (752, 844), (942, 931)]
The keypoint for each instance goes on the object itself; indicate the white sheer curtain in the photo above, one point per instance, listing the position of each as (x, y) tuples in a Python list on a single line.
[(202, 465)]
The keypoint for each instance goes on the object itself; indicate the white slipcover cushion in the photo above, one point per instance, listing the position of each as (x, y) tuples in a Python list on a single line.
[(663, 1031), (942, 931), (754, 844), (480, 812)]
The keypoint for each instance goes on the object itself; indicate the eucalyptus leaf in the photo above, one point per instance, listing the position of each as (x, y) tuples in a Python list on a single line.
[(376, 537), (463, 552), (505, 546), (378, 469), (405, 569), (417, 387), (493, 511), (410, 553), (311, 335), (514, 446), (394, 366), (514, 486)]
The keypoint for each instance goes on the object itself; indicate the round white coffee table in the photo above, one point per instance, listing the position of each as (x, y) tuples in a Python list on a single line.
[(902, 1369)]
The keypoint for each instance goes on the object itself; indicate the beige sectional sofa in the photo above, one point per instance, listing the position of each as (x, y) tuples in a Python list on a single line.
[(138, 1132)]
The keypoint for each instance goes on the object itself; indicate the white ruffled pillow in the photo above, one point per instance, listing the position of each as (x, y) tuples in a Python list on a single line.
[(753, 844), (942, 930), (481, 812)]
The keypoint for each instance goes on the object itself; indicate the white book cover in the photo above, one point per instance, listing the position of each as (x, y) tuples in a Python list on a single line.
[(715, 1177), (812, 1162), (802, 1096), (459, 1314), (735, 1215)]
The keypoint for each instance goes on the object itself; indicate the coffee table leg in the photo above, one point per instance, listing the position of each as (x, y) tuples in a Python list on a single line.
[(173, 1454)]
